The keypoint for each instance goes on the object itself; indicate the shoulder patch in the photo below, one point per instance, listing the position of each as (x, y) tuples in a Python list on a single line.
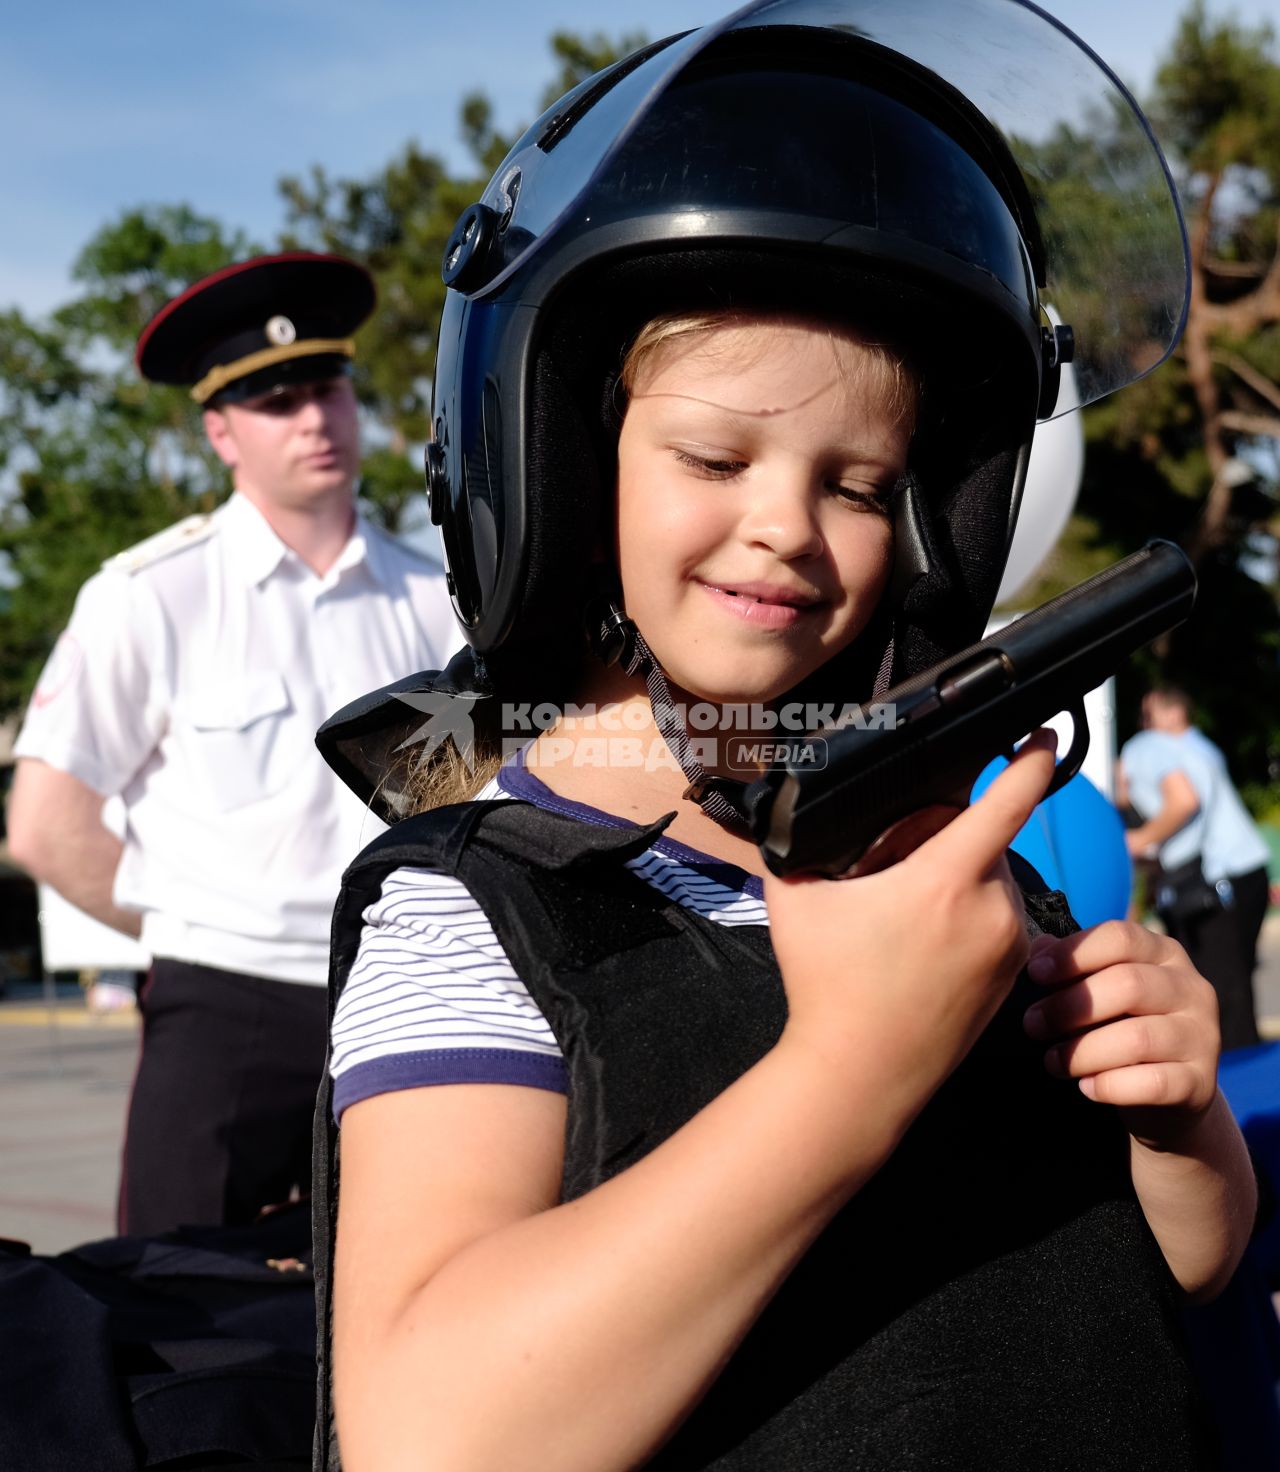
[(189, 532)]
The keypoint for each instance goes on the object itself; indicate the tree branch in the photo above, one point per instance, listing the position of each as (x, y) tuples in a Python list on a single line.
[(1205, 320), (1211, 526), (1254, 424), (1238, 269), (1258, 382), (1256, 309)]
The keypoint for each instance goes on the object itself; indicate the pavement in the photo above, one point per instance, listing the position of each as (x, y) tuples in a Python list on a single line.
[(64, 1088), (65, 1076)]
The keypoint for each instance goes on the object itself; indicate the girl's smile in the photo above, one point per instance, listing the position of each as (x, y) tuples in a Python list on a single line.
[(764, 604)]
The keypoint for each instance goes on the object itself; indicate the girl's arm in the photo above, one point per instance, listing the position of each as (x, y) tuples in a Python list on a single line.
[(1133, 1021), (480, 1325), (1200, 1195)]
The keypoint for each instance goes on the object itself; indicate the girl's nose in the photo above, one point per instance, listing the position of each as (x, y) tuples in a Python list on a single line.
[(784, 518)]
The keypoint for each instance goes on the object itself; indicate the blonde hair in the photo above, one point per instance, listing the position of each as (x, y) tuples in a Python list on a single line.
[(881, 370), (445, 778)]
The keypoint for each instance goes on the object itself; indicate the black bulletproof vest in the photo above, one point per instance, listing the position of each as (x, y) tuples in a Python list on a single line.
[(992, 1299), (188, 1350)]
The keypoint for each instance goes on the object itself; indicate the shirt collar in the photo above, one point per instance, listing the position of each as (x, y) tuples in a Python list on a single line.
[(373, 549), (257, 551), (361, 550)]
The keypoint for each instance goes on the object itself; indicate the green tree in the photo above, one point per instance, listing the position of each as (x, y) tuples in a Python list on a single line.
[(93, 460), (580, 57), (1217, 100), (397, 223), (132, 267), (1218, 93), (1193, 451), (576, 57)]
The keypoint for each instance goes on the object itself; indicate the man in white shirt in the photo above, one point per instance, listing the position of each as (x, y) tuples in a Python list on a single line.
[(190, 682)]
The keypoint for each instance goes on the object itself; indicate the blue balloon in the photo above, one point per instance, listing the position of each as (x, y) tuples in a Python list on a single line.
[(1075, 839)]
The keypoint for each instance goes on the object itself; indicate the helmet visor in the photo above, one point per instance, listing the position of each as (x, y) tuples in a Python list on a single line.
[(1082, 172)]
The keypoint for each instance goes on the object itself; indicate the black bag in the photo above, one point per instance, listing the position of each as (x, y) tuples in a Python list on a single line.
[(1184, 894), (195, 1349)]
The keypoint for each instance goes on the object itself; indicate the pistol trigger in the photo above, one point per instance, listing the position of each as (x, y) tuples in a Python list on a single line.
[(1071, 763)]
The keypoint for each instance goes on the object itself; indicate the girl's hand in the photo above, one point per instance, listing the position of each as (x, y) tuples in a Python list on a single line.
[(897, 973), (1132, 1020)]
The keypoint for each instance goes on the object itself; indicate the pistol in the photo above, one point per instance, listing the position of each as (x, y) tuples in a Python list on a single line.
[(852, 799)]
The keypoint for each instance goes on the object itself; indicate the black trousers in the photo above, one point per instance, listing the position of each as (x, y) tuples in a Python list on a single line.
[(220, 1118), (1223, 946)]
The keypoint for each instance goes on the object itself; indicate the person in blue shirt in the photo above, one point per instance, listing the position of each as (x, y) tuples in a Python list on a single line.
[(1194, 822)]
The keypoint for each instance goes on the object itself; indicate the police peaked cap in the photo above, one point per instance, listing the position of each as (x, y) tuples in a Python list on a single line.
[(258, 324)]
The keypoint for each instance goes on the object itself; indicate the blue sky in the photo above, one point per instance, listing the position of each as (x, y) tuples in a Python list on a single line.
[(107, 106)]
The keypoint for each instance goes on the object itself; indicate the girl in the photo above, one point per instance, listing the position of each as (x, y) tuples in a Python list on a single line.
[(645, 1163)]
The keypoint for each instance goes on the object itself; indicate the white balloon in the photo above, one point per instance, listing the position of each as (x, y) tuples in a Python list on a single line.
[(1049, 496)]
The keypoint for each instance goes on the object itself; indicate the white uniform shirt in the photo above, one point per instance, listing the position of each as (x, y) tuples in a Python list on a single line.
[(190, 681)]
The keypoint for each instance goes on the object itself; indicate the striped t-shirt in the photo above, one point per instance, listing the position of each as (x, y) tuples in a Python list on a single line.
[(433, 999)]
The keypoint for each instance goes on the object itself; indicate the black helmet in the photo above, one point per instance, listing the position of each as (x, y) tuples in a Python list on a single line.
[(941, 170)]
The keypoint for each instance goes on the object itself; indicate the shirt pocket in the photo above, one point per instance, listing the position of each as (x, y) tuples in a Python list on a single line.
[(239, 733)]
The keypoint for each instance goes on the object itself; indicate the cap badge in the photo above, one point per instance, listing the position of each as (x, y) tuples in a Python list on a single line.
[(281, 331)]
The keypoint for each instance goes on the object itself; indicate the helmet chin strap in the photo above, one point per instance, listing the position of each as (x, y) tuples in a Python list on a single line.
[(616, 640), (720, 798)]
